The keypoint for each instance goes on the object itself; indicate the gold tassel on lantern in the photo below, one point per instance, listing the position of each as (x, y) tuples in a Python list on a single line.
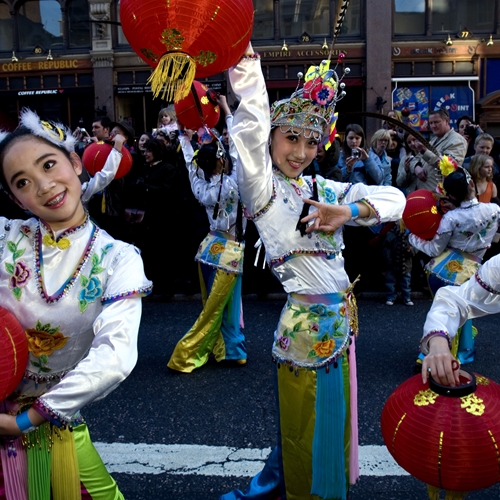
[(173, 76), (433, 492), (455, 495)]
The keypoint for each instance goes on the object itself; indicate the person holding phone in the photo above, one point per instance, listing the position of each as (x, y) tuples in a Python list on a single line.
[(354, 161)]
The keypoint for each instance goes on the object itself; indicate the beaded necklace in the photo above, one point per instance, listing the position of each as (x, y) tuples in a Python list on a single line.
[(38, 257)]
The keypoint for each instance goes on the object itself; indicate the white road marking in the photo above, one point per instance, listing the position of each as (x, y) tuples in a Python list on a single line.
[(130, 458)]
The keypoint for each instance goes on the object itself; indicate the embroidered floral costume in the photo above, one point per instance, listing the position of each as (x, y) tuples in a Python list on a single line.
[(463, 236), (313, 344), (220, 258), (68, 291)]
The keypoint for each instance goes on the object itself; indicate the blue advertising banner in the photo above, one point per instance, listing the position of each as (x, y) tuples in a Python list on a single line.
[(414, 102), (457, 100)]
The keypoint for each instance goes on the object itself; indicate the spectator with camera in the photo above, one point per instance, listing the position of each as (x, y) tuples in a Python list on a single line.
[(446, 141), (354, 161)]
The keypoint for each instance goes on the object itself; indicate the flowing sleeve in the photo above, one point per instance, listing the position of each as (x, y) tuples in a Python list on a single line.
[(113, 353), (203, 191), (104, 177), (477, 297), (250, 133), (386, 202), (437, 245)]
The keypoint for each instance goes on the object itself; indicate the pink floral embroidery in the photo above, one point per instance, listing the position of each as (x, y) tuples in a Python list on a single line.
[(21, 275)]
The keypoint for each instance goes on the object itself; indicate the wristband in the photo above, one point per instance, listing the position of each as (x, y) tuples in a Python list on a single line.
[(24, 423), (354, 210)]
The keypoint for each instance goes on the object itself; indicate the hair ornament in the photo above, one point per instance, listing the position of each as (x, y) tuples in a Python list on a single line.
[(53, 132), (448, 165)]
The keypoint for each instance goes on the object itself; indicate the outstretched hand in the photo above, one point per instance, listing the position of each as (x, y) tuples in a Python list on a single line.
[(327, 218)]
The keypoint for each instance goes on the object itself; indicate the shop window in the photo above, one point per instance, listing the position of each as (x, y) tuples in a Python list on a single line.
[(121, 37), (33, 82), (356, 70), (125, 78), (6, 28), (40, 22), (276, 72), (352, 22), (409, 17), (402, 69), (79, 24), (67, 81), (3, 83), (456, 15), (263, 23), (16, 83), (85, 80), (142, 76), (293, 70), (311, 16), (423, 69), (50, 82), (464, 68), (444, 68)]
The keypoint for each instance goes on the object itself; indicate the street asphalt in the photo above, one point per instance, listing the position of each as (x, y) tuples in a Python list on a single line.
[(220, 405)]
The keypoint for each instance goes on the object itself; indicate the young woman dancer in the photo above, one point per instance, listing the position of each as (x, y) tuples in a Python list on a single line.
[(463, 236), (314, 342), (76, 292), (220, 257)]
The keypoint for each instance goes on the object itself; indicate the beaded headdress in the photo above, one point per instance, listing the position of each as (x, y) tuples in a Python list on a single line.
[(311, 109)]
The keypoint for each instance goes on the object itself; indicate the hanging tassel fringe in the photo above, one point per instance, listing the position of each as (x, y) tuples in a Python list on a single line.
[(38, 445), (433, 492), (455, 495), (173, 76), (65, 475)]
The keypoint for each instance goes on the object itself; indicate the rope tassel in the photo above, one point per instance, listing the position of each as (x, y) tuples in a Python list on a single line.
[(173, 76)]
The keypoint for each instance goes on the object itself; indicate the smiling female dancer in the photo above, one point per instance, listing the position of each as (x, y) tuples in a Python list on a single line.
[(314, 341), (76, 292)]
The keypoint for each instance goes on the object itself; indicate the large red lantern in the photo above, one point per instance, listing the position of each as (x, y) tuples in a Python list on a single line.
[(13, 353), (448, 437), (199, 108), (182, 39), (421, 215), (95, 155)]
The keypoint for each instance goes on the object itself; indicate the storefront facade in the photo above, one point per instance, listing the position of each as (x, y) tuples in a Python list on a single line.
[(442, 52)]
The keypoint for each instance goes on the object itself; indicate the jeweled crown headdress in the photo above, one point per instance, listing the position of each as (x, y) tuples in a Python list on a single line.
[(311, 109)]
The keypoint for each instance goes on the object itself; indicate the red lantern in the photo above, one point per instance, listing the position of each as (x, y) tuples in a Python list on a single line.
[(95, 156), (199, 108), (448, 437), (183, 39), (421, 215), (13, 353)]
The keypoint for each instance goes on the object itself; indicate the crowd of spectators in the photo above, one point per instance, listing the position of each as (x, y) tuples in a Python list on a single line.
[(153, 206)]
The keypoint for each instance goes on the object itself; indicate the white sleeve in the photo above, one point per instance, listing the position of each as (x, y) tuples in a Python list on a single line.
[(250, 133), (477, 297), (387, 203), (101, 179)]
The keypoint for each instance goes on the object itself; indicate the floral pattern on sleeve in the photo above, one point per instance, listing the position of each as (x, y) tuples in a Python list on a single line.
[(92, 288), (19, 271)]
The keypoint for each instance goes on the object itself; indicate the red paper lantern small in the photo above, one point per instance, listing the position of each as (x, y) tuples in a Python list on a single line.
[(183, 39), (13, 353), (421, 215), (447, 437), (199, 108), (95, 156)]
